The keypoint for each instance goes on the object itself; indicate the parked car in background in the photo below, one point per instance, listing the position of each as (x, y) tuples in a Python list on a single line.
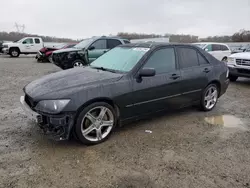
[(127, 83), (239, 65), (1, 46), (45, 54), (27, 45), (245, 48), (219, 50), (85, 52)]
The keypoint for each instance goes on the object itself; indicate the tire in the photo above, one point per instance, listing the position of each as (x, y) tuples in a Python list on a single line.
[(14, 52), (50, 58), (98, 117), (224, 59), (233, 78), (77, 63), (209, 97)]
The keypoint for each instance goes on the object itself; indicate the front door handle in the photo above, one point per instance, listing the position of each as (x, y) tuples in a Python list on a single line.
[(174, 76), (206, 70)]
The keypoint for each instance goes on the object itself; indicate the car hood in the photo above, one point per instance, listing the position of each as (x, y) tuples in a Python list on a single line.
[(243, 55), (67, 81), (67, 50)]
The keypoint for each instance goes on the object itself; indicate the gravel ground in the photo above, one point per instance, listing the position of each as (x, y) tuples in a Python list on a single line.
[(187, 148)]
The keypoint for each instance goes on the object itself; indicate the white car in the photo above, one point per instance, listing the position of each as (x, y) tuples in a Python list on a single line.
[(219, 50), (239, 65), (27, 45)]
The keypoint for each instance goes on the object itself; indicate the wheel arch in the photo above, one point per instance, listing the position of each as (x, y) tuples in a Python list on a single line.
[(99, 99), (15, 47), (217, 83)]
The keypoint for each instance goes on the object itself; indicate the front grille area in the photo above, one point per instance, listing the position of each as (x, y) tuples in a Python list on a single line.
[(244, 62), (29, 101), (244, 71)]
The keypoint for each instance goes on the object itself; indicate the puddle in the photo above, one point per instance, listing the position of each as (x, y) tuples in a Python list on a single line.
[(228, 121)]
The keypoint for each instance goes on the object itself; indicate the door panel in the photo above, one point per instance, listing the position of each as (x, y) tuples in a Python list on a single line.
[(99, 48), (94, 54), (156, 93)]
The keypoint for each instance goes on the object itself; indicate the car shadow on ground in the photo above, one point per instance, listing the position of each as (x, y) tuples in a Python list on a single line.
[(242, 82)]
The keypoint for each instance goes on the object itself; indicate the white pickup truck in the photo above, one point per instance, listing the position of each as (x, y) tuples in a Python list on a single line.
[(27, 45)]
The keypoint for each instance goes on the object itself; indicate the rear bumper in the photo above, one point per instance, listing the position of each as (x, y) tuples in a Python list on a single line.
[(57, 127), (240, 72), (5, 50)]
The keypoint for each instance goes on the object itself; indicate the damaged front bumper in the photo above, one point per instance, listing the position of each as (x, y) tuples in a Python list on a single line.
[(57, 127)]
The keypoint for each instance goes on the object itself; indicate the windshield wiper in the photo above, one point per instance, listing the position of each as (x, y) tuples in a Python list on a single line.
[(104, 69)]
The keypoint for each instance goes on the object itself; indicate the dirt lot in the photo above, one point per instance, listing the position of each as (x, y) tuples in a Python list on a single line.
[(187, 148)]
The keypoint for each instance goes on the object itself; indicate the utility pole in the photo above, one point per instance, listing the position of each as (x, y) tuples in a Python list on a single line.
[(20, 28)]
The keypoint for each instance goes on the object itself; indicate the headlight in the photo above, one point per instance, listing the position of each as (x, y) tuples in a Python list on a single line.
[(52, 106), (230, 60)]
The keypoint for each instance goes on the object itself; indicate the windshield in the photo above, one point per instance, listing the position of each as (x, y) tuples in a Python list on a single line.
[(84, 43), (200, 45), (121, 59)]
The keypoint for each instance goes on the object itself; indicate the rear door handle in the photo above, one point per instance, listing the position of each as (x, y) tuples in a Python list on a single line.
[(206, 70), (174, 76)]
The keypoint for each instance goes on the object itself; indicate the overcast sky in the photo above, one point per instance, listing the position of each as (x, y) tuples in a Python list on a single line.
[(86, 18)]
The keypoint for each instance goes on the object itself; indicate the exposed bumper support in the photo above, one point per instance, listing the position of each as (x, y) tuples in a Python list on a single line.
[(57, 127)]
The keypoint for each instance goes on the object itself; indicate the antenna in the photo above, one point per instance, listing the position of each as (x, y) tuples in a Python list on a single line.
[(20, 28)]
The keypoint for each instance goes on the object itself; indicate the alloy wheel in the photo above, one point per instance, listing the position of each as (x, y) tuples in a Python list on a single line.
[(14, 53), (97, 123), (78, 64), (211, 97)]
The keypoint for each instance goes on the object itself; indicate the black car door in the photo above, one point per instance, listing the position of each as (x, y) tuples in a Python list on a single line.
[(194, 71), (161, 91)]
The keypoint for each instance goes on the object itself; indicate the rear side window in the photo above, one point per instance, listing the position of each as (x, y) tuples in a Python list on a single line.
[(113, 43), (224, 48), (37, 41), (162, 61), (216, 47), (202, 60), (187, 57)]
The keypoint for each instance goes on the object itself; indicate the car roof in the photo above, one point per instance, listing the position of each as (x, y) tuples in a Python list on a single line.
[(155, 44), (109, 37), (209, 43)]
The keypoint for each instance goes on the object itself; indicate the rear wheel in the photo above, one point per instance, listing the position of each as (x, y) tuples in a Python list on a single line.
[(95, 123), (14, 52), (233, 78), (209, 97)]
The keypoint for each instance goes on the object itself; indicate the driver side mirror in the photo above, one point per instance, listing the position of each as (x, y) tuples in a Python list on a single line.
[(24, 42), (206, 50), (91, 48), (147, 72)]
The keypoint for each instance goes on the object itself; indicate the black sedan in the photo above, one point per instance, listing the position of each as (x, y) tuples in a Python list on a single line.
[(127, 83)]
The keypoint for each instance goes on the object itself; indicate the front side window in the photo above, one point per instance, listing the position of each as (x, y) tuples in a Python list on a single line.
[(187, 57), (208, 48), (99, 44), (162, 61), (28, 41), (121, 59)]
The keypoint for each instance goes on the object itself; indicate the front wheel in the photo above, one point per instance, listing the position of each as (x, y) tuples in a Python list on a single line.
[(78, 63), (95, 123), (209, 97)]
